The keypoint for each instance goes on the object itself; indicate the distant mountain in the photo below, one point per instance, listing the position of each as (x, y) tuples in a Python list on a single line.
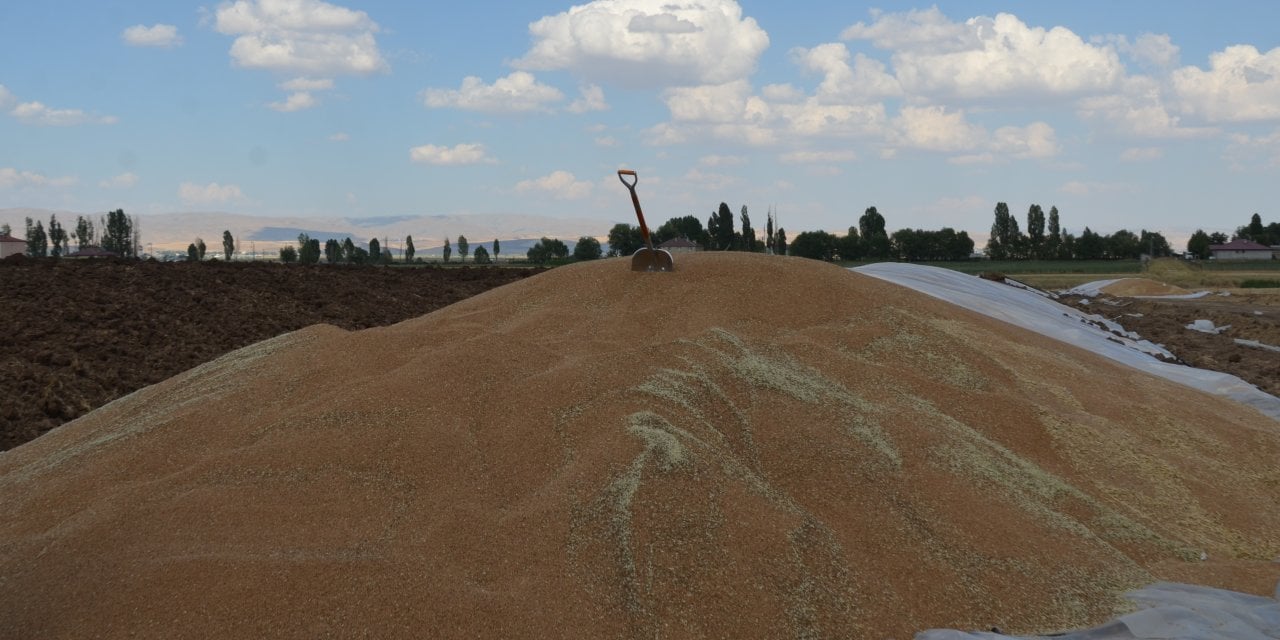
[(265, 234)]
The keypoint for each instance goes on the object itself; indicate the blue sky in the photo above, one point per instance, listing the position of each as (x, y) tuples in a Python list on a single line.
[(1157, 115)]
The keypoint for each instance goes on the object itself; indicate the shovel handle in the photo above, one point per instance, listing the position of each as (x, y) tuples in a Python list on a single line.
[(635, 200)]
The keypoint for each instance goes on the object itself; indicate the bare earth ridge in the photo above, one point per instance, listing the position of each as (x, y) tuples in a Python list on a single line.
[(751, 446)]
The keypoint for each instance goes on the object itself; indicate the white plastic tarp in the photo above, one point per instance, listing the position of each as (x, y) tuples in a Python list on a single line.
[(1042, 315), (1169, 611)]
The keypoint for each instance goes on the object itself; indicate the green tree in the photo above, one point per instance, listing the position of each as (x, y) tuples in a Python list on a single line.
[(587, 248), (348, 251), (57, 236), (817, 245), (1198, 244), (200, 247), (850, 246), (193, 253), (1053, 243), (288, 254), (408, 249), (463, 248), (1090, 245), (5, 229), (228, 245), (1218, 237), (118, 235), (768, 232), (546, 249), (448, 250), (875, 242), (1005, 241), (688, 227), (781, 242), (375, 248), (308, 249), (1255, 230), (722, 233), (1123, 244), (1035, 232), (495, 249), (37, 240), (748, 233), (1154, 244), (84, 232), (332, 251), (482, 255), (624, 239)]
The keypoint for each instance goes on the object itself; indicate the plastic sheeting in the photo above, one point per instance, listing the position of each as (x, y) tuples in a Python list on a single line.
[(1169, 611), (1095, 289), (1030, 311)]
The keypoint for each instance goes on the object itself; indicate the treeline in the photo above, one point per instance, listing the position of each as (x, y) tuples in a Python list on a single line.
[(869, 241), (309, 251), (1045, 239), (721, 233), (1266, 235), (116, 232)]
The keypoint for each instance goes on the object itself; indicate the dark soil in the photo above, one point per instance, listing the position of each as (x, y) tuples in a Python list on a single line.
[(78, 334), (1251, 316)]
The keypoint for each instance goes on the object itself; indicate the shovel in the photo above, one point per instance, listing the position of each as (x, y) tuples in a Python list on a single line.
[(645, 258)]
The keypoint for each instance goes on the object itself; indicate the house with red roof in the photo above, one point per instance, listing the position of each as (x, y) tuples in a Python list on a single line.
[(1240, 249), (11, 246)]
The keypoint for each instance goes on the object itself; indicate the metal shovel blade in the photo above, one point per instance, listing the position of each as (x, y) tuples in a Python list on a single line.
[(646, 259)]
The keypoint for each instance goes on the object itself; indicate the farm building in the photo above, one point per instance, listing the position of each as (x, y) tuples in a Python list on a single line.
[(1240, 249), (11, 246), (680, 245)]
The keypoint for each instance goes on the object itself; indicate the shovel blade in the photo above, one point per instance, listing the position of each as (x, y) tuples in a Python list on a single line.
[(646, 259)]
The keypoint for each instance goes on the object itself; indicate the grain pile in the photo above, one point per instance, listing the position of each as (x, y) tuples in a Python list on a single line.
[(747, 447), (1129, 287)]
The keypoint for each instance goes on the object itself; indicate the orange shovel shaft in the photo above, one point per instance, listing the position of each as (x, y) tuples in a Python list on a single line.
[(635, 200)]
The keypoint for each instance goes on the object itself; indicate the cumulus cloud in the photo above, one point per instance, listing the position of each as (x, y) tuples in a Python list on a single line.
[(297, 101), (1241, 85), (648, 43), (156, 35), (722, 161), (985, 57), (212, 193), (6, 97), (122, 181), (1081, 188), (935, 129), (559, 184), (1036, 140), (1138, 109), (36, 113), (865, 80), (1151, 50), (592, 99), (11, 178), (517, 92), (307, 84), (300, 36), (455, 155)]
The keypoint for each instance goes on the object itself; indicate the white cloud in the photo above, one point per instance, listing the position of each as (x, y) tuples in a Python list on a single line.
[(1141, 154), (1036, 140), (606, 141), (1154, 51), (985, 58), (36, 113), (1079, 188), (6, 97), (300, 36), (863, 81), (297, 101), (811, 157), (648, 43), (11, 178), (1138, 109), (212, 193), (722, 161), (122, 181), (709, 103), (307, 84), (592, 99), (517, 92), (1245, 152), (456, 155), (781, 93), (559, 184), (157, 35), (935, 129), (710, 181), (340, 136), (1241, 85)]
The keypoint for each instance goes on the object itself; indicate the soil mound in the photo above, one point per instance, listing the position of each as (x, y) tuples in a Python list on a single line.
[(750, 446), (1128, 287)]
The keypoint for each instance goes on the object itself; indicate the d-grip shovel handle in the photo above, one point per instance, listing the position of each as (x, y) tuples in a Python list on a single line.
[(635, 200)]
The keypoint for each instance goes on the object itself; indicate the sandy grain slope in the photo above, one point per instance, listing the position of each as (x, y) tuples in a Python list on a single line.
[(748, 447)]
